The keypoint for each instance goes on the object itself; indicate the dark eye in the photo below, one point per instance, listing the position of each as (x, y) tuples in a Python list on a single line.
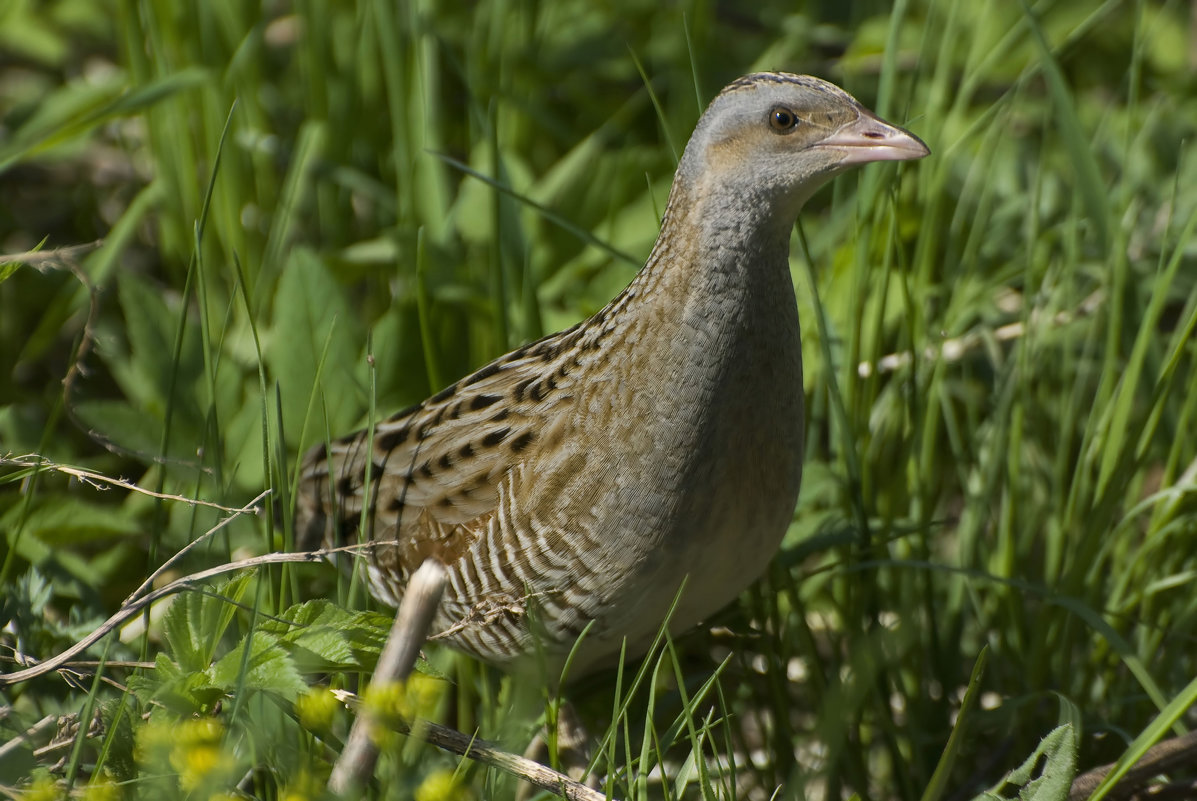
[(782, 120)]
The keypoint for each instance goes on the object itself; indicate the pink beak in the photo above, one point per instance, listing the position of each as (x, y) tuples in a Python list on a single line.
[(870, 138)]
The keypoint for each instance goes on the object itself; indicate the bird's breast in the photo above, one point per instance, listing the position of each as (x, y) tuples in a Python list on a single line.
[(691, 469)]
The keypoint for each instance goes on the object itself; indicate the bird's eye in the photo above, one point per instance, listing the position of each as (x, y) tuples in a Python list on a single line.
[(783, 120)]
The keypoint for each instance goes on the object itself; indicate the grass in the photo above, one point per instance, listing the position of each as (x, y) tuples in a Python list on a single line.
[(314, 214)]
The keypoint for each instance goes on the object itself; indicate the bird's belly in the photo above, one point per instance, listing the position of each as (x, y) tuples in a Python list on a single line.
[(714, 524), (735, 513)]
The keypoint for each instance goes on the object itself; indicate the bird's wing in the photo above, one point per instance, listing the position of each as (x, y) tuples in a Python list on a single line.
[(435, 469)]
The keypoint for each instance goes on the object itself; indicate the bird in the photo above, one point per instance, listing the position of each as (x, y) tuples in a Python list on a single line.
[(572, 487)]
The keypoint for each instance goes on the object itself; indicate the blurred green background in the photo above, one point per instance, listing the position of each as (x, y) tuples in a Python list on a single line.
[(307, 213)]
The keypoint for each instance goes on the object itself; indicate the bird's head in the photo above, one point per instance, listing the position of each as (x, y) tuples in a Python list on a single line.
[(773, 138)]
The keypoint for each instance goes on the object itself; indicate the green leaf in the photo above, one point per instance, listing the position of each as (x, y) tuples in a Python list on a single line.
[(183, 692), (63, 520), (315, 336), (197, 620), (151, 324), (323, 637), (269, 668), (122, 423), (1155, 731), (1056, 759), (7, 269), (73, 111), (1092, 187), (34, 36)]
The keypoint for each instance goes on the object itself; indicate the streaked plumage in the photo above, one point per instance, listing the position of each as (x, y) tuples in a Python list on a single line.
[(585, 474)]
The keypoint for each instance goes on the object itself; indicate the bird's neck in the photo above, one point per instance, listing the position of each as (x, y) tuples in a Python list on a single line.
[(718, 253), (709, 321), (710, 326)]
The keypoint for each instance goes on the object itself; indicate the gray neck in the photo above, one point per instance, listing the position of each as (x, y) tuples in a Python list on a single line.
[(710, 329), (722, 256), (710, 320)]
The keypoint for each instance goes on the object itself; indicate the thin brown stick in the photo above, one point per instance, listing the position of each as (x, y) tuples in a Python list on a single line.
[(134, 608), (1160, 758), (421, 598), (99, 480), (30, 734), (953, 350), (149, 582), (490, 754)]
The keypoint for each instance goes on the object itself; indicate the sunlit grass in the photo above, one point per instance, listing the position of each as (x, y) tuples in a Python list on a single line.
[(325, 215)]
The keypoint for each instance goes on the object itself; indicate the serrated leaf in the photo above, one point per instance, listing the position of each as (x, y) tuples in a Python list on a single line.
[(165, 669), (185, 693), (323, 637), (308, 613), (25, 599), (196, 621), (1055, 759), (181, 636), (321, 651), (191, 695), (317, 632), (368, 633), (269, 668), (145, 683)]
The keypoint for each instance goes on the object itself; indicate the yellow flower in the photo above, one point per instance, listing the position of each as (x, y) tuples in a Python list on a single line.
[(197, 764), (423, 695), (442, 785), (387, 701), (101, 790), (415, 698), (316, 709), (198, 731), (43, 788), (154, 740)]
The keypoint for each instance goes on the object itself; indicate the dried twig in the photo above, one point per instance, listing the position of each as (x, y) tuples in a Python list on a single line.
[(102, 482), (134, 606), (1162, 757), (28, 736), (251, 507), (953, 350), (355, 766), (491, 754), (421, 598)]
